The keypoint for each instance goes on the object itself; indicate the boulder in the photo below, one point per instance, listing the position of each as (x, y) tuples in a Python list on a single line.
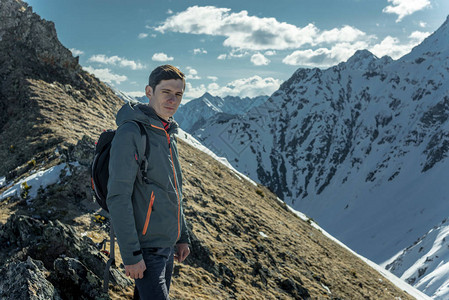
[(26, 280)]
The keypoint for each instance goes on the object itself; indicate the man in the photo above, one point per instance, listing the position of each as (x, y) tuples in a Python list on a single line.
[(147, 215)]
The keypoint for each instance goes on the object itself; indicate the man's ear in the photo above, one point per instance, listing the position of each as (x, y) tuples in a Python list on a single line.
[(149, 92)]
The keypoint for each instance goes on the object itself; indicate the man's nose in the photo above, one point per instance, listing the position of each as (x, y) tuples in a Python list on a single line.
[(171, 97)]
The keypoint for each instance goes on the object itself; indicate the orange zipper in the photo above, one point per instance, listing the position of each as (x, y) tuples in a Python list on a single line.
[(174, 175), (150, 208)]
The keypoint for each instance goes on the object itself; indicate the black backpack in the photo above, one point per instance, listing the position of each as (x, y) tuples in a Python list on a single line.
[(99, 179), (100, 164)]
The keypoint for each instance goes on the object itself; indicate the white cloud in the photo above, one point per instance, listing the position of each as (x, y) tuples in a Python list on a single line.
[(193, 92), (270, 53), (259, 59), (242, 31), (324, 57), (422, 24), (213, 78), (327, 57), (116, 61), (169, 11), (199, 51), (234, 53), (418, 36), (344, 34), (142, 35), (76, 52), (246, 87), (404, 8), (392, 47), (193, 74), (238, 53), (161, 57), (106, 75)]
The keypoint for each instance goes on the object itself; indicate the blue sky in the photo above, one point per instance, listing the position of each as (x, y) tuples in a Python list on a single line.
[(240, 48)]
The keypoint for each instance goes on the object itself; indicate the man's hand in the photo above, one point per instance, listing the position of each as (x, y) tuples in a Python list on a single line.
[(182, 251), (135, 271)]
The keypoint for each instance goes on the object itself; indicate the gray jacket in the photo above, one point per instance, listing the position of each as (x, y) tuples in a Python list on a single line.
[(145, 215)]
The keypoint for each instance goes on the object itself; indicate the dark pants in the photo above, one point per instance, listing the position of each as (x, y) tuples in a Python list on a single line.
[(155, 283)]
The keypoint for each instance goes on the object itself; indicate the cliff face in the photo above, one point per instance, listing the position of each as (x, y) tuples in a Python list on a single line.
[(45, 96)]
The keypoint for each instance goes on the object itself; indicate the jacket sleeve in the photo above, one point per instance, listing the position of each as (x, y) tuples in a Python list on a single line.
[(123, 169), (184, 238)]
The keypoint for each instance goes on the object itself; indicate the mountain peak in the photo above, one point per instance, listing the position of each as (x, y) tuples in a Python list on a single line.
[(32, 43), (436, 43), (207, 95), (360, 59), (35, 63)]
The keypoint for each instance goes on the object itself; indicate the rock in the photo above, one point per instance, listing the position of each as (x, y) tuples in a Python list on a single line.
[(83, 151), (26, 280), (53, 241), (21, 230), (75, 281), (294, 288), (201, 255)]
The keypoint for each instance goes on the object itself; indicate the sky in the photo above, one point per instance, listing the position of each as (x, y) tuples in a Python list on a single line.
[(238, 48)]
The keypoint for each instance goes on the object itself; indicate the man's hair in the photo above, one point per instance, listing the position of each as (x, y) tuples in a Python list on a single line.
[(165, 72)]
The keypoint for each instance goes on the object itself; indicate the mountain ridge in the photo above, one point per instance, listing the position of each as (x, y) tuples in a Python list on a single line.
[(360, 147), (38, 71), (196, 112)]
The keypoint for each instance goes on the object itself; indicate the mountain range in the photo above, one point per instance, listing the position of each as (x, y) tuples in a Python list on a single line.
[(245, 243), (360, 147), (195, 113)]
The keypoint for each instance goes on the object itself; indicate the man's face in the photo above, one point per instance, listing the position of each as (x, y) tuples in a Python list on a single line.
[(166, 97)]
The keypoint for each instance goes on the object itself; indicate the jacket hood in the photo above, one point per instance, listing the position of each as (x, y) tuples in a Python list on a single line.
[(142, 113)]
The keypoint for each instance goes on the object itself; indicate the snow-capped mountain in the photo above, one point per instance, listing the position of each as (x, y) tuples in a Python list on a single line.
[(425, 264), (360, 147), (194, 114), (127, 97)]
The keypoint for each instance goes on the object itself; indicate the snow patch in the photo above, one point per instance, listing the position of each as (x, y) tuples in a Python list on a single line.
[(262, 234), (41, 178)]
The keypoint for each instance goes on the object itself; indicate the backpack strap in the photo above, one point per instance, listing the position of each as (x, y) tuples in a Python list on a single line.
[(111, 259), (142, 175)]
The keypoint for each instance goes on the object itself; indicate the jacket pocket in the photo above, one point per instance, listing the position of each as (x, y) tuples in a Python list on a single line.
[(150, 208)]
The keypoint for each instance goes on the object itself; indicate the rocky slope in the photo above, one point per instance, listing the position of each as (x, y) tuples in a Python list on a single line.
[(245, 243), (41, 80)]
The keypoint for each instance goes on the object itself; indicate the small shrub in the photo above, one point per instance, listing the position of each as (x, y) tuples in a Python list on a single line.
[(310, 220), (260, 193), (25, 190)]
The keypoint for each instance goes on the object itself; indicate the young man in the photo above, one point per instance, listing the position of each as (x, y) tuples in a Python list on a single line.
[(147, 215)]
